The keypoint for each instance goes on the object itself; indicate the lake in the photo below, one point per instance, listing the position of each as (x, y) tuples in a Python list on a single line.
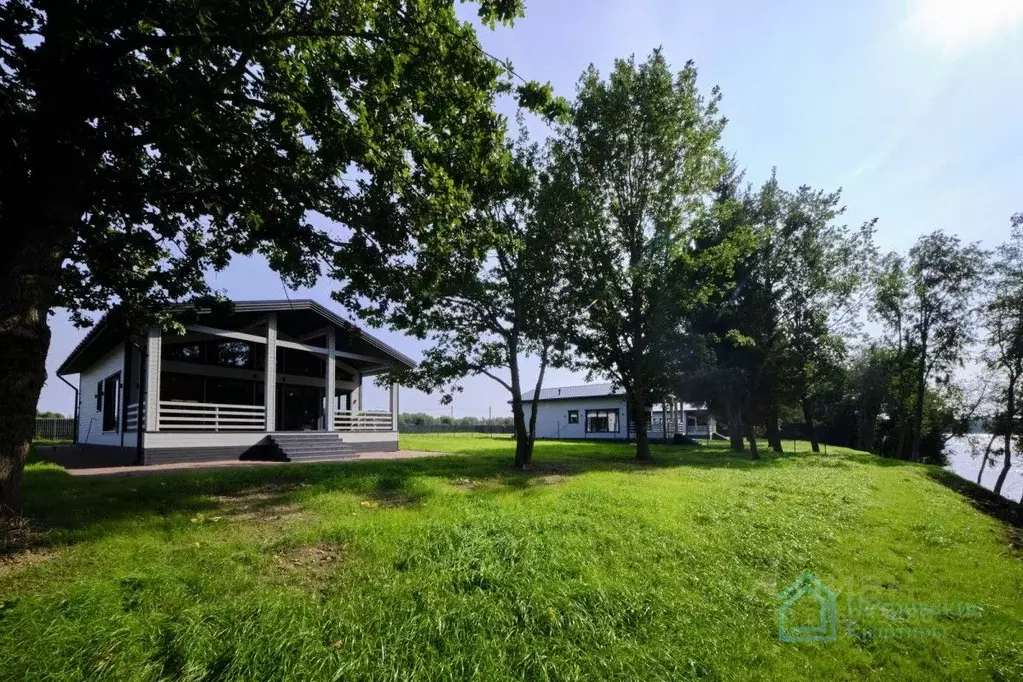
[(963, 462)]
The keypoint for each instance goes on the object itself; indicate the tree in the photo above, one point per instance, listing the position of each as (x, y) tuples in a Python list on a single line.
[(147, 142), (942, 274), (823, 269), (891, 305), (485, 313), (1003, 319), (642, 153), (738, 323)]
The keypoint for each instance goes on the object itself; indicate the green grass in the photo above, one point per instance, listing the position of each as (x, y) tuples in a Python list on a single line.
[(590, 567)]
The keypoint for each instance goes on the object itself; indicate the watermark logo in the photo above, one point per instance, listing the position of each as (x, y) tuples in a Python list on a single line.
[(807, 592), (808, 612)]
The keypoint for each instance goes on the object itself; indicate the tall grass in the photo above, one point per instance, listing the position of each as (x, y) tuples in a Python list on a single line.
[(589, 567)]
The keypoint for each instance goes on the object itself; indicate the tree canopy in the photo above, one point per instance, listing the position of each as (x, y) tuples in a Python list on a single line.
[(146, 143)]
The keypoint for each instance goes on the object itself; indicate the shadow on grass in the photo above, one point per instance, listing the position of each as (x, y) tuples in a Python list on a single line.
[(985, 501), (71, 509)]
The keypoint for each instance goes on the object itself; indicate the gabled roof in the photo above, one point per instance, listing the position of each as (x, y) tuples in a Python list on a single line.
[(576, 392), (110, 331)]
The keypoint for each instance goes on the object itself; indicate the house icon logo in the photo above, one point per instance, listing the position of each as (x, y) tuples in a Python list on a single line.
[(812, 598)]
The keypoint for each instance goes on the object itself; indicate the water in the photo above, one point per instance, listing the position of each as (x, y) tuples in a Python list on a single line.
[(963, 462)]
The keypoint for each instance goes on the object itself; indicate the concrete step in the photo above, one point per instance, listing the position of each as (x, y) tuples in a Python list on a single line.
[(304, 445)]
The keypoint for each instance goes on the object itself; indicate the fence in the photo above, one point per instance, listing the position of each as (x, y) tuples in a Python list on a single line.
[(485, 429), (55, 429)]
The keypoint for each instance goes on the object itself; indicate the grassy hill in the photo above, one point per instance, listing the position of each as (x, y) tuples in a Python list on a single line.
[(590, 567)]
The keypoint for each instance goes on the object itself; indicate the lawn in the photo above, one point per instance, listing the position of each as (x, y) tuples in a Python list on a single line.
[(590, 567)]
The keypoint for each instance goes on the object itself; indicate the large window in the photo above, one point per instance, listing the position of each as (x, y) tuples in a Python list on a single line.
[(601, 421), (111, 402), (230, 391), (231, 354), (301, 363), (185, 352), (186, 388)]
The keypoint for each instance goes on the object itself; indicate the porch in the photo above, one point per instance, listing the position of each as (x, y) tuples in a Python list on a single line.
[(258, 384)]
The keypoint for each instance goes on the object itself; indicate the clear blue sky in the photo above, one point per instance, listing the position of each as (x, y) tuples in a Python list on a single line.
[(913, 108)]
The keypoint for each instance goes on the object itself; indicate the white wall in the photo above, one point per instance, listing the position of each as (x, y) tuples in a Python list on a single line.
[(90, 420), (552, 418)]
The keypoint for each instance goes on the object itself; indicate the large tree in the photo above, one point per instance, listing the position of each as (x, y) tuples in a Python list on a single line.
[(823, 270), (146, 142), (483, 313), (739, 322), (1003, 318), (643, 151), (943, 275)]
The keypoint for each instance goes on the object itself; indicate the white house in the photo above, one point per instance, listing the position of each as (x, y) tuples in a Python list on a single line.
[(213, 393), (600, 412)]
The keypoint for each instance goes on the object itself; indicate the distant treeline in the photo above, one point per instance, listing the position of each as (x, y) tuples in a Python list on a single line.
[(424, 419)]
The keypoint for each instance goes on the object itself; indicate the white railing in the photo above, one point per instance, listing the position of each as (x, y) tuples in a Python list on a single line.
[(702, 430), (175, 416), (131, 421), (356, 420)]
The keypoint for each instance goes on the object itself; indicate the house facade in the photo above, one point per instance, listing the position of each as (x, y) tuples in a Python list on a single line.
[(261, 379), (601, 412)]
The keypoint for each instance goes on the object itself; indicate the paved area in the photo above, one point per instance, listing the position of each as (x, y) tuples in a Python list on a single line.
[(127, 471)]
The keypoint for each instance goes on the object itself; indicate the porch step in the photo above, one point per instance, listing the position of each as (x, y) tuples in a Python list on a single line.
[(312, 445)]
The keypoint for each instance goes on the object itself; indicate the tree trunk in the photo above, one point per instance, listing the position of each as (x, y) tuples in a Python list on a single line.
[(527, 458), (811, 429), (523, 437), (29, 269), (987, 453), (1010, 418), (638, 408), (735, 429), (771, 429), (752, 437), (918, 416)]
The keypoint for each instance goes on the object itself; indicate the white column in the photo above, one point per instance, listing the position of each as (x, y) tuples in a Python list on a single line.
[(270, 378), (394, 407), (356, 396), (154, 345), (331, 380)]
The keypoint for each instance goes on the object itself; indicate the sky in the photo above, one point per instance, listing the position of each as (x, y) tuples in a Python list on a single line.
[(912, 107)]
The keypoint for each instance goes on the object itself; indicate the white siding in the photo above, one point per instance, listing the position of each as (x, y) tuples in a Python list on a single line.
[(90, 420), (552, 418)]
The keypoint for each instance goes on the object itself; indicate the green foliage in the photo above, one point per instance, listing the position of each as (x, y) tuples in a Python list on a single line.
[(1003, 319), (926, 301), (776, 328), (461, 568), (641, 154), (375, 114), (504, 294)]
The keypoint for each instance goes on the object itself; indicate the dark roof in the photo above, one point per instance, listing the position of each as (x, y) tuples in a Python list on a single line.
[(591, 391), (576, 392), (110, 330)]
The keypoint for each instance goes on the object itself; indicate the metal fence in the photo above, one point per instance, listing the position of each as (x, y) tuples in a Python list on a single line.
[(486, 429), (55, 429)]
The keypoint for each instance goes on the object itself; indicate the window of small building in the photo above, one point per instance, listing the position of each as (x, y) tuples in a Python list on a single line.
[(573, 416), (111, 404), (602, 421)]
